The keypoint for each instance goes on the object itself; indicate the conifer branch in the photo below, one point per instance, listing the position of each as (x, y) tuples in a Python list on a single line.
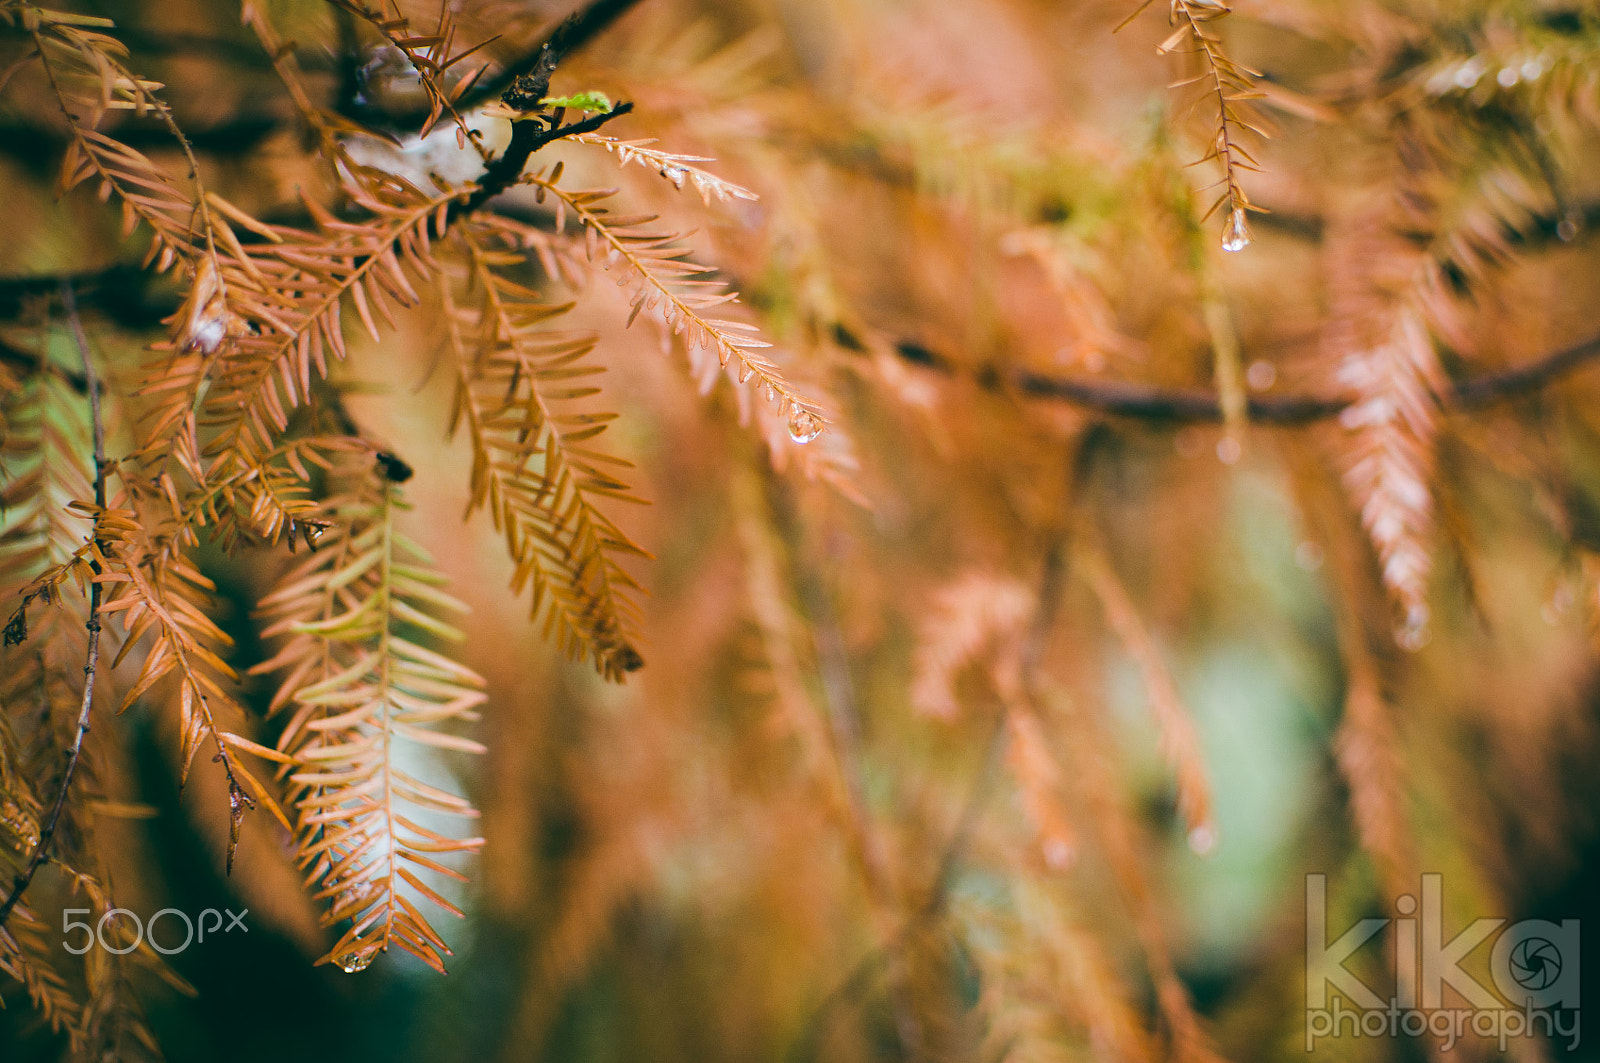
[(363, 683), (91, 666), (676, 168), (662, 282), (528, 135), (534, 468), (146, 193), (430, 56)]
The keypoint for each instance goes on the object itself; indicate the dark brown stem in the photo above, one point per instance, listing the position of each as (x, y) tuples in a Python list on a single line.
[(578, 30), (527, 137), (47, 832), (1196, 405)]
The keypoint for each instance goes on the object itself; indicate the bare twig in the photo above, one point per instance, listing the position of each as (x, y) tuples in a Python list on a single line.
[(527, 137), (583, 26), (41, 852), (1196, 405)]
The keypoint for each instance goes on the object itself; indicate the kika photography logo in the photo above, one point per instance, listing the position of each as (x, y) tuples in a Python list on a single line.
[(1532, 975)]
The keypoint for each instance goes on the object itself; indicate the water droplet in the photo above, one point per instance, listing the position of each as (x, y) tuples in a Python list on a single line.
[(745, 369), (355, 962), (207, 335), (1468, 73), (769, 392), (1058, 853), (1532, 69), (1413, 634), (1236, 234), (1508, 76), (804, 426), (1229, 450), (1261, 375), (1567, 228), (1202, 839), (1560, 602)]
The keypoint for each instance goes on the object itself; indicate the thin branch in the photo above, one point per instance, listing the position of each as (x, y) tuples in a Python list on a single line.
[(1196, 405), (41, 852), (527, 137), (576, 31)]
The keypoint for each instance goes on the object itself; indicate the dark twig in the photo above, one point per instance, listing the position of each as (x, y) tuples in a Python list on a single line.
[(1179, 405), (527, 137), (47, 832), (576, 31)]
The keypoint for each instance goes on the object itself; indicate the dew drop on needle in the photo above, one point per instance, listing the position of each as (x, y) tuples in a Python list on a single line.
[(354, 962), (1236, 234), (804, 426)]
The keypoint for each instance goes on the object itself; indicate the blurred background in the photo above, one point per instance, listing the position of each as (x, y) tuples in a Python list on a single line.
[(1004, 721)]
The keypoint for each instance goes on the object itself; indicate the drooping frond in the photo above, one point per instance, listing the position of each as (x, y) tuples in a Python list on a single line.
[(286, 320), (1231, 86), (370, 699), (1367, 746), (534, 466), (981, 620), (1038, 774), (27, 955), (674, 167), (86, 73), (264, 500), (165, 598), (677, 291)]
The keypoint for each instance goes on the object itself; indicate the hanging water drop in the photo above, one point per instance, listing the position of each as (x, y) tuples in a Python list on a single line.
[(804, 426), (1413, 633), (355, 962), (745, 369), (1202, 839), (1236, 234)]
